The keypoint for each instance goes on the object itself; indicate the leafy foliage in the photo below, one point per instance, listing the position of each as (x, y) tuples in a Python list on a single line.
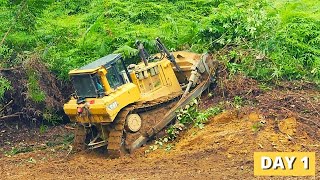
[(5, 85), (34, 91), (17, 150), (189, 115), (51, 116), (70, 34), (5, 54), (238, 102)]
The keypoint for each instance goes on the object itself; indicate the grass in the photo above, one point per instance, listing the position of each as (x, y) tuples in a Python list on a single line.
[(69, 34), (18, 150)]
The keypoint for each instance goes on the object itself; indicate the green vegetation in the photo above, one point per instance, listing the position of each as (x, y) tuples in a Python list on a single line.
[(257, 126), (17, 150), (5, 85), (43, 128), (189, 115), (270, 39), (51, 116), (57, 142), (238, 102), (34, 91)]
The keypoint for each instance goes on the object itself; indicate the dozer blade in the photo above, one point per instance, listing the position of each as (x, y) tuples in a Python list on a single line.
[(169, 116)]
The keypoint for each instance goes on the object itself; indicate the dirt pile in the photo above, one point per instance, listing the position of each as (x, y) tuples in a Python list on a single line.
[(222, 150), (288, 126), (238, 85), (295, 99), (241, 135), (301, 105)]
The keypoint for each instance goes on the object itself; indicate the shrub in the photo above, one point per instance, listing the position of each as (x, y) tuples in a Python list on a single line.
[(5, 85), (190, 114), (34, 91)]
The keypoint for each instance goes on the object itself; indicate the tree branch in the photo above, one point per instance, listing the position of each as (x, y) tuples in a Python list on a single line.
[(4, 107), (10, 116), (18, 15)]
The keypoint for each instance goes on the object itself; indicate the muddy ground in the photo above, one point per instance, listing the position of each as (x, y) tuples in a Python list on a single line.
[(281, 118)]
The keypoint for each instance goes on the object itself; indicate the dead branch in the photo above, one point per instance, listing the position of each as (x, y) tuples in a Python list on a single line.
[(69, 128), (309, 120), (10, 69), (8, 104), (10, 116)]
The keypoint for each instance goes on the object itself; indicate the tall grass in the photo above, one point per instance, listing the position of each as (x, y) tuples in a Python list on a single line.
[(69, 34)]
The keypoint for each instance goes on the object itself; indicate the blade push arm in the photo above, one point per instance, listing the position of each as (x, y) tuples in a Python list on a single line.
[(170, 56)]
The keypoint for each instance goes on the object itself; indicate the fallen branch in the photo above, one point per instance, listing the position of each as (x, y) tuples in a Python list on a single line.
[(4, 107), (305, 119), (10, 116), (68, 127), (10, 69)]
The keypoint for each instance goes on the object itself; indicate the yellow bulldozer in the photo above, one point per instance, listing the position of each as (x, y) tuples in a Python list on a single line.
[(122, 107)]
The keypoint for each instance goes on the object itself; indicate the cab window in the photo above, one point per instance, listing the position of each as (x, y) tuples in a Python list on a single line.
[(113, 77)]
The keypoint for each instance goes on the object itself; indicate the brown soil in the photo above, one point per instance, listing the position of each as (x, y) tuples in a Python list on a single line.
[(222, 150), (288, 120)]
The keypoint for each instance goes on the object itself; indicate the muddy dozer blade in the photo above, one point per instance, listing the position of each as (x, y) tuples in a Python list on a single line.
[(169, 116)]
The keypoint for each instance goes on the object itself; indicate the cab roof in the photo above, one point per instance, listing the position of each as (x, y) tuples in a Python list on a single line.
[(104, 61), (95, 65)]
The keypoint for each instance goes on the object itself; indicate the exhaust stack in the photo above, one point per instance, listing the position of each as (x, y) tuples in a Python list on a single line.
[(142, 52)]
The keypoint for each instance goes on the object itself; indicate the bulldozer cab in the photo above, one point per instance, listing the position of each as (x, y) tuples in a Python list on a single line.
[(87, 85), (100, 77)]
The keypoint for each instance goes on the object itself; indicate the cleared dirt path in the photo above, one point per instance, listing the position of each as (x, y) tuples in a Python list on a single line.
[(222, 150)]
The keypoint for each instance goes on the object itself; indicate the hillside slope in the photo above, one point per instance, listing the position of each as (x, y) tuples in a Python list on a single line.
[(68, 34), (222, 150)]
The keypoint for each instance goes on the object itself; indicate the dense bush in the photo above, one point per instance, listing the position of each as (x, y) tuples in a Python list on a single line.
[(270, 39)]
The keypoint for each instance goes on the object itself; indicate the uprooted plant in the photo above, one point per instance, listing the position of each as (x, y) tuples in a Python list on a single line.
[(190, 115)]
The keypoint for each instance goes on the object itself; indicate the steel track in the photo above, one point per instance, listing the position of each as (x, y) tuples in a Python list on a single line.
[(120, 140)]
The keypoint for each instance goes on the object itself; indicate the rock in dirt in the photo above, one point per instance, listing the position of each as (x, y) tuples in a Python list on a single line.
[(288, 126)]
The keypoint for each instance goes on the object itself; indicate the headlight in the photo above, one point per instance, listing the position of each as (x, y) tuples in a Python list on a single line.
[(113, 105)]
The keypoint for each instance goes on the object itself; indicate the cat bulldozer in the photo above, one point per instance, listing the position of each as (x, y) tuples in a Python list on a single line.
[(122, 107)]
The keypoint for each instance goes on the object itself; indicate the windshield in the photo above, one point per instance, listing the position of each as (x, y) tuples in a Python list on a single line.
[(87, 85)]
